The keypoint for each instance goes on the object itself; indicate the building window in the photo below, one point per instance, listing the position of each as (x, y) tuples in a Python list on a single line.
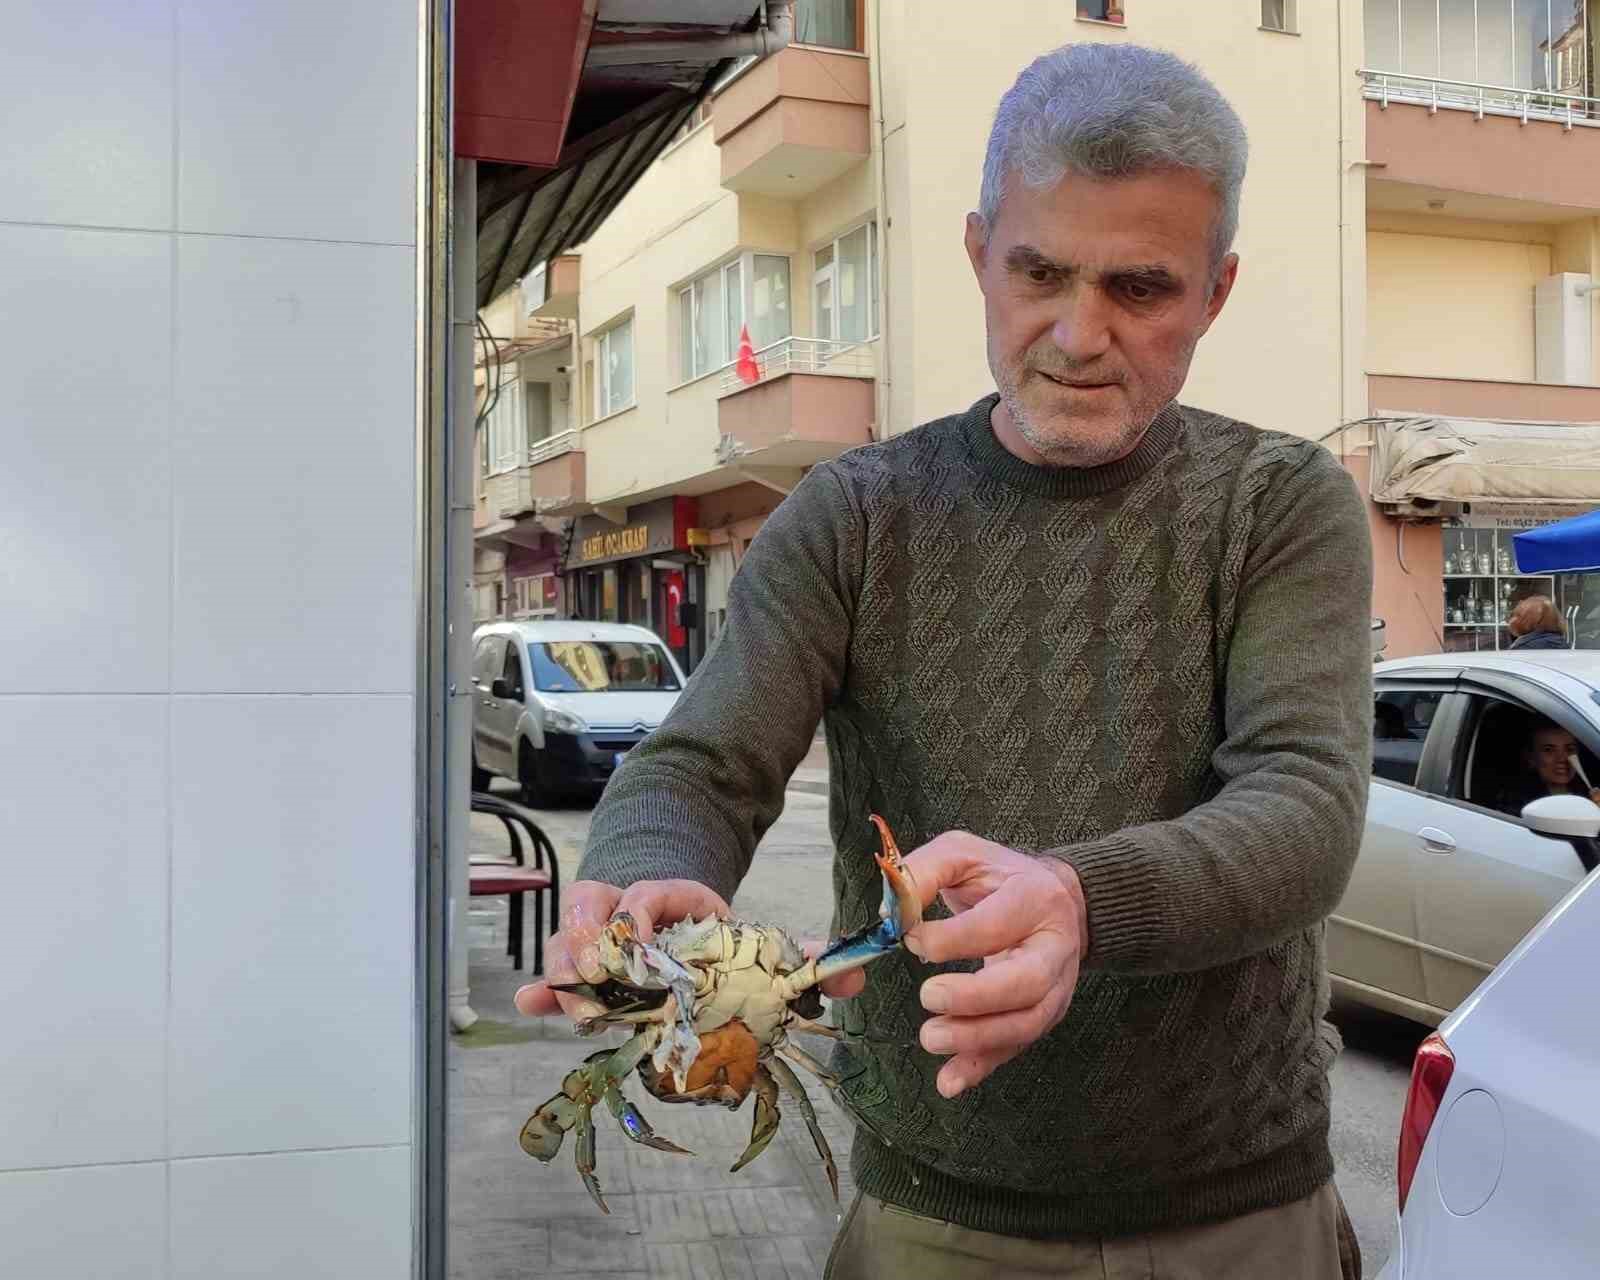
[(1522, 45), (834, 24), (534, 596), (536, 410), (1279, 15), (844, 286), (1101, 10), (483, 454), (613, 390), (503, 426), (714, 307)]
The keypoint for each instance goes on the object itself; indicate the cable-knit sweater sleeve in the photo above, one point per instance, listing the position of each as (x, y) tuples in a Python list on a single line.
[(695, 797), (1271, 853)]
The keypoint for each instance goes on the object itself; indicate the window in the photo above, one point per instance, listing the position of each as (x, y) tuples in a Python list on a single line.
[(536, 410), (1101, 10), (487, 660), (712, 309), (600, 666), (845, 286), (832, 23), (613, 390), (1279, 15), (504, 427), (512, 672), (534, 596), (1400, 722), (483, 455)]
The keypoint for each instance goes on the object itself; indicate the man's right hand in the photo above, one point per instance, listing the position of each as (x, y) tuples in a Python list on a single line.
[(569, 955)]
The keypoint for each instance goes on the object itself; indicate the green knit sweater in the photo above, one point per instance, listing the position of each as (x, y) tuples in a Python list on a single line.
[(1158, 670)]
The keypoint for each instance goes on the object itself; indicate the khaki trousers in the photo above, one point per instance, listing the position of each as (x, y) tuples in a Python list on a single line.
[(1310, 1239)]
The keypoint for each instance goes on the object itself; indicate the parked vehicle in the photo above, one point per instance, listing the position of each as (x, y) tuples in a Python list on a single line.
[(1500, 1139), (559, 704), (1448, 881)]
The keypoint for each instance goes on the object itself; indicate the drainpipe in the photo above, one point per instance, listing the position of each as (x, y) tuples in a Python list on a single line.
[(458, 579), (762, 42)]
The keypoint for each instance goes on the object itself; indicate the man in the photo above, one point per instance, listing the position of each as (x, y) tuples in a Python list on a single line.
[(1104, 660)]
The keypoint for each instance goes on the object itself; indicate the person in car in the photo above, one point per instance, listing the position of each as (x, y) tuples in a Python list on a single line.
[(1547, 769), (1536, 624)]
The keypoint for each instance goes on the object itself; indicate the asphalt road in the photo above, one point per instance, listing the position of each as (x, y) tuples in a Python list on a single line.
[(789, 882)]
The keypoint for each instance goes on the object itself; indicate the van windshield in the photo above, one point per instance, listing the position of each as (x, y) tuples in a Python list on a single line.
[(601, 666)]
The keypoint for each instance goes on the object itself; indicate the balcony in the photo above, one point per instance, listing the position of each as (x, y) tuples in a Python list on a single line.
[(548, 481), (550, 290), (814, 399), (794, 122)]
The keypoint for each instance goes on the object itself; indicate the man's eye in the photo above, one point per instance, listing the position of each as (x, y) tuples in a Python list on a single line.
[(1039, 275), (1139, 292)]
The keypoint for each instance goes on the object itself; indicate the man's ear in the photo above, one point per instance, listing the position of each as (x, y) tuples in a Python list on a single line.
[(977, 242)]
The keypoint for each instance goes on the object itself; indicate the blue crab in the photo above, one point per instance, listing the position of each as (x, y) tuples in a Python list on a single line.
[(711, 1003)]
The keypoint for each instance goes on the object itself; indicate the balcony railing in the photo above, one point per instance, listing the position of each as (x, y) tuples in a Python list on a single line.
[(803, 355), (1567, 109), (553, 447)]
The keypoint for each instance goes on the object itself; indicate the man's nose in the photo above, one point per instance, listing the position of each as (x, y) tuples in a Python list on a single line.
[(1082, 330)]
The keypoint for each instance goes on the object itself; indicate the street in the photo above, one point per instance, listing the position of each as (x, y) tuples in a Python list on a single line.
[(789, 883)]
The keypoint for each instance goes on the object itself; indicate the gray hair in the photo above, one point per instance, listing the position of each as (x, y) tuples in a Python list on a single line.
[(1116, 111)]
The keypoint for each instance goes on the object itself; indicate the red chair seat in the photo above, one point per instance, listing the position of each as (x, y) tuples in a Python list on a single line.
[(493, 878)]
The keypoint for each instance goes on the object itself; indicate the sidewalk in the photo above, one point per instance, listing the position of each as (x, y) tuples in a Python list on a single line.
[(684, 1217)]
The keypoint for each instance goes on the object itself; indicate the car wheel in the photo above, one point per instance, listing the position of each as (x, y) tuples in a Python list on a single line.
[(536, 791), (480, 777)]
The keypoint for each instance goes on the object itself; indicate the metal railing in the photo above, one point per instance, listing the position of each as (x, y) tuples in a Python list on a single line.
[(1567, 109), (568, 441), (804, 355)]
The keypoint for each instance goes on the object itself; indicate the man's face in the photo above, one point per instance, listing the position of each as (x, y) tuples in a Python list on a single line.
[(1551, 754), (1095, 294)]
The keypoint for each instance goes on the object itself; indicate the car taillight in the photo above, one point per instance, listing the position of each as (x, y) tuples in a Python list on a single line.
[(1430, 1077)]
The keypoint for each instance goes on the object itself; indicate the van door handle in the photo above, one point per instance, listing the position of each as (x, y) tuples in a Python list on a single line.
[(1436, 841)]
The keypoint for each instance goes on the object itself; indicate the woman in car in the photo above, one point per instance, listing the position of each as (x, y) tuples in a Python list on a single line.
[(1548, 769), (1536, 624)]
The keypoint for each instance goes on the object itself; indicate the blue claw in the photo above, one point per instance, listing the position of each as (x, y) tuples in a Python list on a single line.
[(900, 913)]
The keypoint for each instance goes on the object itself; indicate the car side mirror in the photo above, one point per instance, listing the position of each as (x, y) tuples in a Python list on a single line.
[(1564, 817), (500, 689)]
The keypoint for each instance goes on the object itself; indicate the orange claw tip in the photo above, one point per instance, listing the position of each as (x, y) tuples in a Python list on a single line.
[(884, 834)]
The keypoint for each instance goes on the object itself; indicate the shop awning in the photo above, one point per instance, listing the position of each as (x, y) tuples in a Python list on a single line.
[(1421, 464), (1565, 546)]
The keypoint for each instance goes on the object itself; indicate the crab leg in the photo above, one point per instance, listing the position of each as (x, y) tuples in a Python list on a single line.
[(796, 1054), (635, 1125), (900, 912), (541, 1137), (766, 1121), (791, 1083)]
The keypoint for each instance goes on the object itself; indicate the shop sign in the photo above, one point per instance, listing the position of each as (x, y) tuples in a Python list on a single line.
[(651, 529)]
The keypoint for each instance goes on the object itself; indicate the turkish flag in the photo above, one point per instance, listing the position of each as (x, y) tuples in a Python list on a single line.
[(677, 637), (748, 369)]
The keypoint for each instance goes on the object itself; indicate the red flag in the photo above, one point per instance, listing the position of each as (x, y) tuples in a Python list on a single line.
[(748, 369)]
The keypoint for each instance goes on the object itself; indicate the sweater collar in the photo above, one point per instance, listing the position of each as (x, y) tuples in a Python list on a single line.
[(1067, 482)]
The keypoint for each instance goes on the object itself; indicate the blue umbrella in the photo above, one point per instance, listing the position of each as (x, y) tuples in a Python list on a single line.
[(1566, 546)]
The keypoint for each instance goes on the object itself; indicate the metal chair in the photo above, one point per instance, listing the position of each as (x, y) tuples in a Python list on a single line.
[(493, 877)]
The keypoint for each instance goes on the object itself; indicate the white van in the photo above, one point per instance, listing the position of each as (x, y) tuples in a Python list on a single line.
[(558, 704)]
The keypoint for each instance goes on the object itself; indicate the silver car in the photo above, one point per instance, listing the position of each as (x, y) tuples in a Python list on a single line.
[(1452, 873)]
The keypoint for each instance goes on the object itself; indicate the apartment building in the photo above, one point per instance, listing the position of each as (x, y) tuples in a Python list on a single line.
[(1419, 236), (1482, 329)]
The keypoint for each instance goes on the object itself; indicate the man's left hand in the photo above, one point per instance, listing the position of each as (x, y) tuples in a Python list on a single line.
[(1025, 918)]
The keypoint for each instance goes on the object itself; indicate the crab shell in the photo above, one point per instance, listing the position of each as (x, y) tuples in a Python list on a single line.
[(730, 974)]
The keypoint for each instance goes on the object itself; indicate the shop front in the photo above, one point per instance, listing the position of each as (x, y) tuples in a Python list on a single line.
[(642, 570), (533, 586), (1449, 494)]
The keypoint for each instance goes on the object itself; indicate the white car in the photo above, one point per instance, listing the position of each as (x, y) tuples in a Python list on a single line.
[(1500, 1139), (1451, 874), (558, 704)]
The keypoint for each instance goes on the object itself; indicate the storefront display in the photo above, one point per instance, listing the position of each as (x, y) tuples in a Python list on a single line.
[(1482, 585)]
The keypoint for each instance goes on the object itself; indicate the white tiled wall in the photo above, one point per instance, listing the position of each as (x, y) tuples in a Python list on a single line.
[(206, 638)]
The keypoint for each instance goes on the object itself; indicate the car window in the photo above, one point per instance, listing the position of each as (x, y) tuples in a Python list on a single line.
[(486, 660), (1499, 771), (1401, 720), (512, 671), (601, 666)]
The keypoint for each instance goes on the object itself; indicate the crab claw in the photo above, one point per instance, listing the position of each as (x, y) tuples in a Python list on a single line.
[(902, 905), (900, 912)]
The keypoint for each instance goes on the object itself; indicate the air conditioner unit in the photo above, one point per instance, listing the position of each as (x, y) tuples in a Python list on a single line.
[(1563, 334)]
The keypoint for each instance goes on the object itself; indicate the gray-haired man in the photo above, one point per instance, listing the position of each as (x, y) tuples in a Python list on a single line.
[(1105, 659)]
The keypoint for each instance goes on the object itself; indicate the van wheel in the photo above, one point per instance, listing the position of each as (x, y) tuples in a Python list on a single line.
[(480, 777), (536, 792)]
